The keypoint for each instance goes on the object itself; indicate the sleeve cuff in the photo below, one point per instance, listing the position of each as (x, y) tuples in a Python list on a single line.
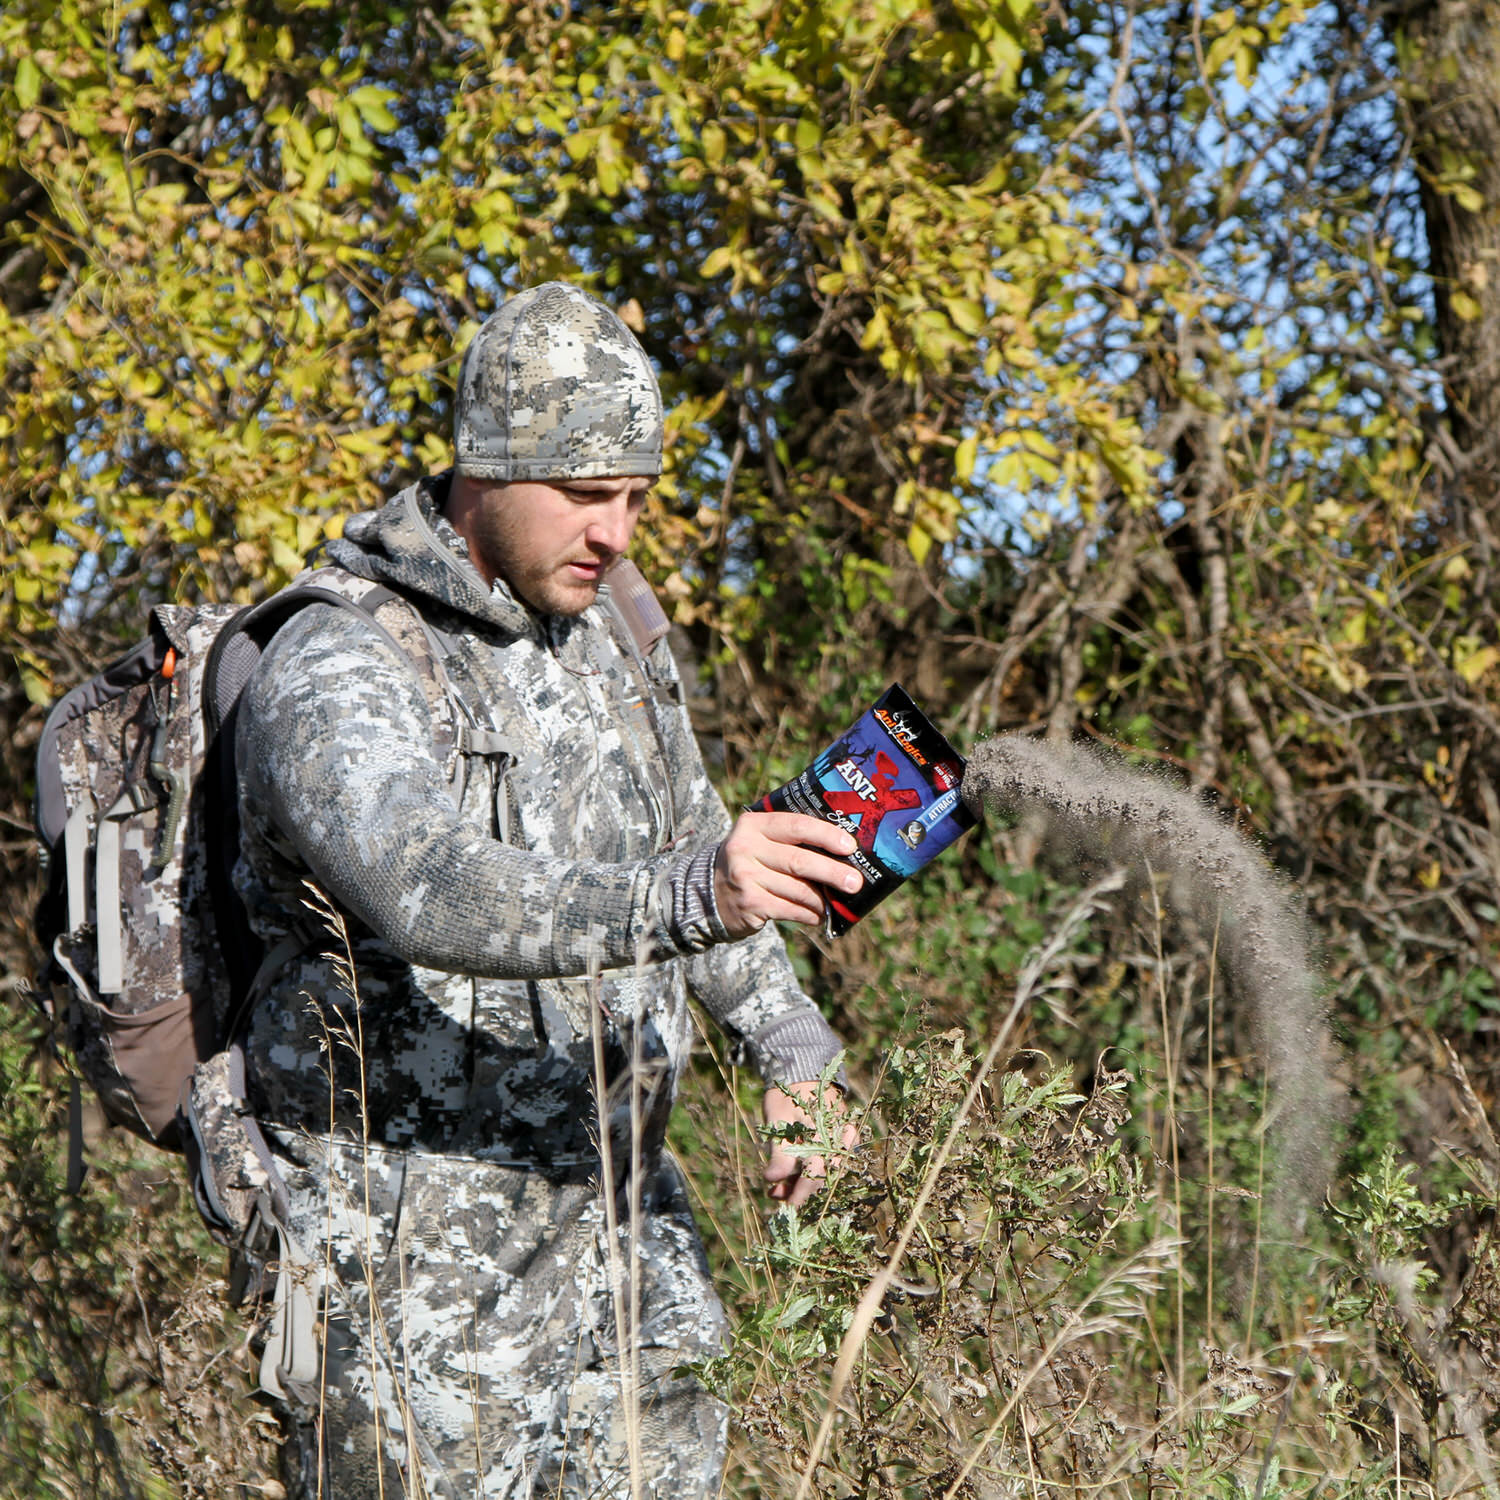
[(796, 1048), (691, 911)]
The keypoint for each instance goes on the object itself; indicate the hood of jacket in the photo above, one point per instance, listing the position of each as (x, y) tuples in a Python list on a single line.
[(409, 545)]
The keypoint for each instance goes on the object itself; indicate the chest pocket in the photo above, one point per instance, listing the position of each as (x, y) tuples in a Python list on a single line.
[(478, 748)]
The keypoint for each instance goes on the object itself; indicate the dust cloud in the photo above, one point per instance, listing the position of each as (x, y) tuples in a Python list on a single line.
[(1094, 809)]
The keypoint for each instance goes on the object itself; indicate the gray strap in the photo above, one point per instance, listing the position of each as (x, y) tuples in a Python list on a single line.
[(77, 1166), (499, 751), (637, 606), (281, 954), (637, 661), (291, 1352), (275, 960), (76, 847), (107, 897), (476, 741)]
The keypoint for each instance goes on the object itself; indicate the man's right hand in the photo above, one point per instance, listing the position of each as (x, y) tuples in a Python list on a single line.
[(772, 866)]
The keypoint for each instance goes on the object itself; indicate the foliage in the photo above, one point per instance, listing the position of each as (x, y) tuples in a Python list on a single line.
[(1114, 369), (122, 1374), (1056, 1323)]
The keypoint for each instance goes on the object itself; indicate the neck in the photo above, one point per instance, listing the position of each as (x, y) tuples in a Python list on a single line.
[(460, 509)]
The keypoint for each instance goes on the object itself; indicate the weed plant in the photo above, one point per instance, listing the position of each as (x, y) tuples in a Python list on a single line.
[(1085, 1295), (122, 1374), (1046, 1271)]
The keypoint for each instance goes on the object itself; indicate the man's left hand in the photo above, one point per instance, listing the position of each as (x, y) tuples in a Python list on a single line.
[(791, 1178)]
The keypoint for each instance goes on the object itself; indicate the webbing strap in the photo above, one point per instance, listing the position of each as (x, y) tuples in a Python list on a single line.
[(476, 741), (633, 630), (291, 1352), (271, 965), (107, 897), (76, 849), (499, 751)]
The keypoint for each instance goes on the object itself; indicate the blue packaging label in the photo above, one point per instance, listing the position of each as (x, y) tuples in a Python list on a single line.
[(892, 780)]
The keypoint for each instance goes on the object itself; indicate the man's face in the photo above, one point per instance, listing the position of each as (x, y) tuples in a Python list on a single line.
[(552, 541)]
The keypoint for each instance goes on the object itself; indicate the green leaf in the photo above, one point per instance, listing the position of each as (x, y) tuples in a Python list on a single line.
[(371, 102), (28, 83)]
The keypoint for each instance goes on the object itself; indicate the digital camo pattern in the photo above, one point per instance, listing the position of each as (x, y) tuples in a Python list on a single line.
[(555, 386), (493, 1364), (238, 1176), (469, 1049), (137, 1045)]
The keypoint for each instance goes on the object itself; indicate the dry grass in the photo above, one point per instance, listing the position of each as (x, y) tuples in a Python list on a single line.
[(1031, 1280)]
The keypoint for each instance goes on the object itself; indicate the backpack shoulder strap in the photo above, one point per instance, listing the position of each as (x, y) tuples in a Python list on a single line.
[(239, 646)]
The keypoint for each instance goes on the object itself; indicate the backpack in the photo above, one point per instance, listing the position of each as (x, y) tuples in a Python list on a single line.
[(150, 961)]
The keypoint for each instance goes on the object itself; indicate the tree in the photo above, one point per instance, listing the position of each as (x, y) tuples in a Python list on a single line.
[(1450, 53), (1120, 369)]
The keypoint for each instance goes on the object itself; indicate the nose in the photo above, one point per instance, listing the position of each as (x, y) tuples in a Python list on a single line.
[(612, 524)]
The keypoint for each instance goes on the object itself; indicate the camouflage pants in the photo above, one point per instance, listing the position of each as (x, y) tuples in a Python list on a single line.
[(470, 1339)]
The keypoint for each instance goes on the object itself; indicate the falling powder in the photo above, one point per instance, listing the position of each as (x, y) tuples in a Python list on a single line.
[(1097, 809)]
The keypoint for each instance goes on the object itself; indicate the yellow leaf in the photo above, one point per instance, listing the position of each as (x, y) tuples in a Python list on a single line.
[(1244, 66), (1464, 306), (1223, 48), (1430, 877), (284, 557), (966, 314), (918, 543), (1472, 665), (715, 262), (37, 687), (370, 444)]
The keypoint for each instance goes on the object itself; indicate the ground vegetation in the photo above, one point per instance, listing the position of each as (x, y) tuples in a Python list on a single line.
[(1120, 371)]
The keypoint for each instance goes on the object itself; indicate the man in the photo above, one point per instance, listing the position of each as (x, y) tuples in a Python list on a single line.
[(525, 901)]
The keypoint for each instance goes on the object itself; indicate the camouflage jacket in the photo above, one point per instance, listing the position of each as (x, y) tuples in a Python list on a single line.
[(483, 966)]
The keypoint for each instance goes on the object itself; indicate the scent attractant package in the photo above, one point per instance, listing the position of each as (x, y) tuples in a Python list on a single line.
[(892, 781)]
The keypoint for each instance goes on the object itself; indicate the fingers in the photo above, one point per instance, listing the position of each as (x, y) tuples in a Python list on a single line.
[(797, 830), (790, 1178), (793, 1179), (773, 867)]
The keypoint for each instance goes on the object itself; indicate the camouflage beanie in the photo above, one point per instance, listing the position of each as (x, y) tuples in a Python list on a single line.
[(555, 386)]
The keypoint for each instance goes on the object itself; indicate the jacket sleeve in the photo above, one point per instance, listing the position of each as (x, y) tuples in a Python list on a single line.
[(749, 986), (336, 764)]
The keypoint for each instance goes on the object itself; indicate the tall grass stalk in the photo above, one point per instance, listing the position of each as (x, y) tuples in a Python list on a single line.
[(623, 1283), (868, 1306)]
